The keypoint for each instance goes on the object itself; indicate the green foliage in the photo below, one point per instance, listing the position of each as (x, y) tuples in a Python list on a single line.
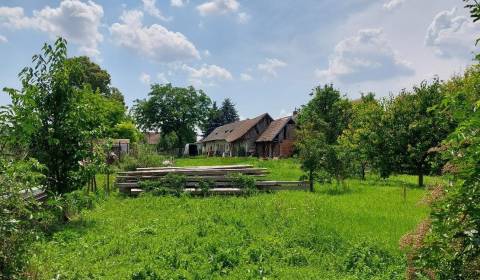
[(170, 184), (173, 110), (227, 113), (18, 214), (55, 121), (409, 128), (205, 185), (450, 248), (168, 142), (321, 122), (145, 274), (126, 130), (284, 235), (244, 182), (141, 156), (356, 142)]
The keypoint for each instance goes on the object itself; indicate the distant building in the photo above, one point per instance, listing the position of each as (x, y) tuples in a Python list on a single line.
[(261, 136), (121, 146), (152, 138), (278, 139)]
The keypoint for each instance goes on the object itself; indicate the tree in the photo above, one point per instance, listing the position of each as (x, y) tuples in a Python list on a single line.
[(356, 142), (126, 130), (213, 121), (321, 122), (410, 128), (55, 119), (173, 110), (228, 112), (90, 73)]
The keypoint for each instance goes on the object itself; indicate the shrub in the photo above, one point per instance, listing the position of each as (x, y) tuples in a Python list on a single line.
[(17, 214), (206, 185), (169, 184), (244, 182), (142, 156)]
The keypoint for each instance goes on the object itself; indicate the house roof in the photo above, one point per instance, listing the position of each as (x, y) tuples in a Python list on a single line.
[(233, 131), (274, 129)]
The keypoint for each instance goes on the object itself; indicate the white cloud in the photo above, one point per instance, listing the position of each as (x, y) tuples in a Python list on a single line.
[(246, 77), (207, 74), (150, 8), (243, 18), (367, 56), (162, 78), (154, 42), (145, 78), (271, 66), (178, 3), (218, 7), (390, 5), (3, 39), (452, 36), (76, 21), (206, 53)]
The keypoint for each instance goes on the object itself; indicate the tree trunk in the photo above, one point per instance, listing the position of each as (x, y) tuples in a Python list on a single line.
[(362, 170), (420, 179), (310, 177)]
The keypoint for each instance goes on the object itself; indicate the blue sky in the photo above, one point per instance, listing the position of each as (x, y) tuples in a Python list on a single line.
[(265, 55)]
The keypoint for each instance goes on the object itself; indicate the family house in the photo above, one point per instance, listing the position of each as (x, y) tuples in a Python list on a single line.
[(261, 136), (278, 139), (236, 139)]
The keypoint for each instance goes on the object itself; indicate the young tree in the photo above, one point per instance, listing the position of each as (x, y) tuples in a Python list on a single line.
[(356, 142), (228, 112), (321, 122), (54, 118), (173, 110)]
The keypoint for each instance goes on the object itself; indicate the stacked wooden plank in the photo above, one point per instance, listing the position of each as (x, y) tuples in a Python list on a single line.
[(220, 176)]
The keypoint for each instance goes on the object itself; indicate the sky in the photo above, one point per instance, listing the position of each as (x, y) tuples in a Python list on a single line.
[(266, 55)]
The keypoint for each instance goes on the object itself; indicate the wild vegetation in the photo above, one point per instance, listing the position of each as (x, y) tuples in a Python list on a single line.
[(360, 156)]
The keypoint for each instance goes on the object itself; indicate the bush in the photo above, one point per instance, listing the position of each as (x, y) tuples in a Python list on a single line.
[(18, 214), (142, 156), (206, 185), (244, 182), (170, 184)]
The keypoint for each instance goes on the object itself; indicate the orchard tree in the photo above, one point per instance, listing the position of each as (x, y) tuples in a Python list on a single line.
[(356, 141), (410, 128), (55, 119), (173, 111), (320, 124)]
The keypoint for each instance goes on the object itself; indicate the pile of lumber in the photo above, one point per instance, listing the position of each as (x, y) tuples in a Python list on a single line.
[(128, 182)]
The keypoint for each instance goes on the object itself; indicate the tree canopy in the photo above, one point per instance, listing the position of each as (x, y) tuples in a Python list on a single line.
[(173, 110)]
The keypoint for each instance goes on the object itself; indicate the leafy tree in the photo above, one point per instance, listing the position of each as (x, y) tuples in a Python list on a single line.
[(214, 120), (228, 112), (356, 142), (126, 130), (410, 128), (173, 110), (90, 73), (56, 121), (321, 122)]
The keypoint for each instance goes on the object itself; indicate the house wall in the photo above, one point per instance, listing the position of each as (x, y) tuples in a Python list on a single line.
[(282, 146), (247, 142), (216, 148)]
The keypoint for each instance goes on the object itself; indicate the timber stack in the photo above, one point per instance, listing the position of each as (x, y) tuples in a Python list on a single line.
[(220, 176)]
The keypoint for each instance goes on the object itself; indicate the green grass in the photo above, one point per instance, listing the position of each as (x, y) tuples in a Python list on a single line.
[(329, 234)]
